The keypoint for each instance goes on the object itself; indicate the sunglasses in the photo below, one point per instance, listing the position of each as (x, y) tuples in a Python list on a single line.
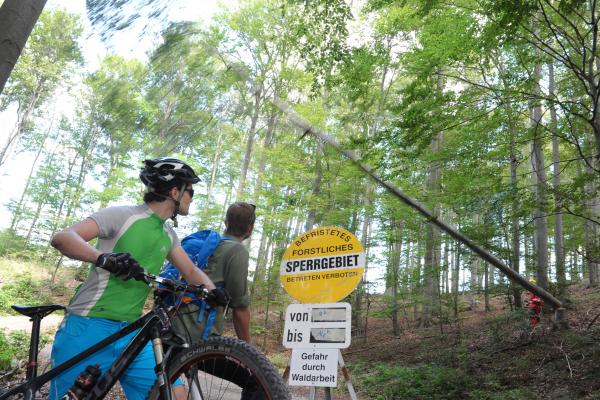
[(190, 191)]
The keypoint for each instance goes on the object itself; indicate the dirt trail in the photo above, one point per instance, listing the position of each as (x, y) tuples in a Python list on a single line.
[(20, 322)]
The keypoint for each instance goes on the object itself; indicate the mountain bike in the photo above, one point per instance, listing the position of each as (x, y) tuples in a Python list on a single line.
[(218, 368)]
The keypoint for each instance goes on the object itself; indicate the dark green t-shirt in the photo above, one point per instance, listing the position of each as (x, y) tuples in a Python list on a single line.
[(228, 267)]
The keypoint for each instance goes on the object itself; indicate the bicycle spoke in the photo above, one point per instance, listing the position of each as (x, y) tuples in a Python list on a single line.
[(225, 368)]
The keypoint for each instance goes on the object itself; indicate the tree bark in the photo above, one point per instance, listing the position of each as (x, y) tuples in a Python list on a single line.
[(22, 118), (591, 230), (17, 213), (250, 142), (17, 19), (357, 311), (213, 175), (316, 187), (394, 271), (539, 184), (456, 277), (486, 282), (559, 251), (475, 286)]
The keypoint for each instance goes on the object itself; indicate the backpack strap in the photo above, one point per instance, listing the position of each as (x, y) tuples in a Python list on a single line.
[(211, 316), (199, 246)]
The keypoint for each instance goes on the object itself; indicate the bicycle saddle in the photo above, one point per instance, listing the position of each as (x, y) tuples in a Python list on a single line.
[(42, 311)]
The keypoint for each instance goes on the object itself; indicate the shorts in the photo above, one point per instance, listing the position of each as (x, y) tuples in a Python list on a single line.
[(77, 333)]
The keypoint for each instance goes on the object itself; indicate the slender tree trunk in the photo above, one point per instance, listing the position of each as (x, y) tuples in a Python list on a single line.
[(446, 267), (357, 311), (213, 174), (17, 19), (316, 187), (417, 288), (475, 272), (22, 119), (57, 217), (431, 268), (274, 270), (367, 201), (19, 208), (406, 277), (267, 144), (515, 251), (394, 272), (486, 293), (250, 142), (75, 200), (575, 269), (40, 205), (456, 277), (559, 251), (539, 184), (591, 231), (227, 196), (36, 216), (515, 256), (261, 263)]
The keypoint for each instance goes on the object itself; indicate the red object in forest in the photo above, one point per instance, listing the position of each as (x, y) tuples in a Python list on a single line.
[(535, 307)]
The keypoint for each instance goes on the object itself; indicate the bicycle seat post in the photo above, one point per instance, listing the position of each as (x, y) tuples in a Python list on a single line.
[(33, 347), (36, 313)]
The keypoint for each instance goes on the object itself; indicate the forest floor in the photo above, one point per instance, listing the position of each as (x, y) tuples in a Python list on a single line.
[(494, 354)]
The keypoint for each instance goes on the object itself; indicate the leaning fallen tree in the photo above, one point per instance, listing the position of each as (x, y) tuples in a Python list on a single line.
[(307, 129)]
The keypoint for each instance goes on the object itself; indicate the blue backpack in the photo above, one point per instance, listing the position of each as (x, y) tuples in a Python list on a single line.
[(199, 246)]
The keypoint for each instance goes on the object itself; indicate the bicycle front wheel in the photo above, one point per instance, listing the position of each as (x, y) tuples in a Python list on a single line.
[(225, 368)]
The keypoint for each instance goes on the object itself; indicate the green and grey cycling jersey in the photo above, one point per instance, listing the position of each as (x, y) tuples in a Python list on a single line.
[(129, 229)]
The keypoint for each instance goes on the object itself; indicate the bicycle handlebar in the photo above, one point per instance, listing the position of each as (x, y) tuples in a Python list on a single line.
[(178, 286)]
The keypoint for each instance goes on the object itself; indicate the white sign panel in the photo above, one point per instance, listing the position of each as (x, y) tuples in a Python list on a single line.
[(314, 367), (317, 326)]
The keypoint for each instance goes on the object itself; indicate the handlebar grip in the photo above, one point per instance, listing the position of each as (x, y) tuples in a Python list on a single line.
[(198, 290)]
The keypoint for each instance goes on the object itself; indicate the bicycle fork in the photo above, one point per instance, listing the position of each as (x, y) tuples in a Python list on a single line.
[(160, 369), (163, 377)]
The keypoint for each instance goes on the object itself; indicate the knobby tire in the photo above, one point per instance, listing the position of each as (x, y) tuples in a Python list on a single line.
[(236, 360)]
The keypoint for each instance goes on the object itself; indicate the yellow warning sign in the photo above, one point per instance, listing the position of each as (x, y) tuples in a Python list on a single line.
[(323, 265)]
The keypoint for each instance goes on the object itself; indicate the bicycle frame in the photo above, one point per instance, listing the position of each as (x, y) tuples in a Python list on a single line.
[(150, 326)]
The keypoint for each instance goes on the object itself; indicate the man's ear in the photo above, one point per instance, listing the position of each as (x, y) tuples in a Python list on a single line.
[(174, 192), (249, 231)]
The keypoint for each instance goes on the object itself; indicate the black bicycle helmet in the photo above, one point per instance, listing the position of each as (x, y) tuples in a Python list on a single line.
[(164, 171), (160, 174)]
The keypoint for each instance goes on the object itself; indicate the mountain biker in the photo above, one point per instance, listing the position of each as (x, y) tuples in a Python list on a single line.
[(130, 239), (227, 267), (225, 260)]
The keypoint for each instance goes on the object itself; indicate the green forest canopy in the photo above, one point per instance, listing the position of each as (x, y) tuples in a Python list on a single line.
[(485, 111)]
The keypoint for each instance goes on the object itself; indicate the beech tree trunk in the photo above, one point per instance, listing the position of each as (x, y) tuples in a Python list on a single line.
[(258, 97), (475, 273), (316, 187), (456, 277), (394, 272), (431, 267), (539, 183), (19, 209), (559, 251), (17, 19)]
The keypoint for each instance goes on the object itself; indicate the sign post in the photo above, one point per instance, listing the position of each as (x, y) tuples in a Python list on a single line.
[(318, 269)]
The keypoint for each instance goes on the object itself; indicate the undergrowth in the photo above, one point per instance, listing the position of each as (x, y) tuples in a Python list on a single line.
[(24, 290), (384, 382), (14, 346)]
